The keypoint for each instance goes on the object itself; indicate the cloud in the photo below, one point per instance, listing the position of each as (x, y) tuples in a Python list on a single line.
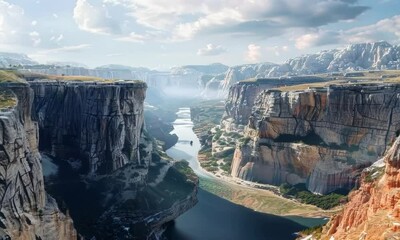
[(319, 38), (386, 29), (253, 53), (94, 18), (70, 48), (211, 50), (277, 50), (12, 22), (35, 37), (180, 20), (134, 37)]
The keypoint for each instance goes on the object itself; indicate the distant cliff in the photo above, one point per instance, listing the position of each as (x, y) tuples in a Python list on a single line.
[(27, 211), (354, 57), (322, 137), (373, 211)]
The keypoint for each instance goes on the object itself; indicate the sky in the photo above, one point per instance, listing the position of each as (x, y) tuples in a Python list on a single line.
[(162, 34)]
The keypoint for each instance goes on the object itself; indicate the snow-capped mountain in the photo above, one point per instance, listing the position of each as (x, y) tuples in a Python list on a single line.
[(364, 56), (14, 59)]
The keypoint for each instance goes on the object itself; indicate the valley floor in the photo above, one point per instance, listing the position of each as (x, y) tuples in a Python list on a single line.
[(259, 197)]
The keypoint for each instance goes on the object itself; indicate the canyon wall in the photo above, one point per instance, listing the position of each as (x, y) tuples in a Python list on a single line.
[(241, 96), (373, 211), (100, 124), (322, 137), (106, 172), (27, 211)]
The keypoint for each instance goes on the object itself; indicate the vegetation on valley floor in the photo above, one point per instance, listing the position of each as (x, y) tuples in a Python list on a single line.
[(259, 200), (300, 192)]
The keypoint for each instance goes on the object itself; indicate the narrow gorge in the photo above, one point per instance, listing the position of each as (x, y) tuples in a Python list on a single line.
[(111, 180)]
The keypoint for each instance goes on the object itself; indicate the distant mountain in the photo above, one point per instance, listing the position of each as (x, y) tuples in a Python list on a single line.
[(364, 56), (68, 64), (15, 59), (211, 69), (123, 67)]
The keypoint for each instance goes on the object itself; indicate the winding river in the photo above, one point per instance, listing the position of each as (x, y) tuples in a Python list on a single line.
[(216, 218)]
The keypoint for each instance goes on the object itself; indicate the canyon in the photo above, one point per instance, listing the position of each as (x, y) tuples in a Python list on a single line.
[(322, 137), (214, 80), (94, 133)]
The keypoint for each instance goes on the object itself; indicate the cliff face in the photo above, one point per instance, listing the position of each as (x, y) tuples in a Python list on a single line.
[(321, 137), (373, 211), (27, 211), (95, 134), (100, 124)]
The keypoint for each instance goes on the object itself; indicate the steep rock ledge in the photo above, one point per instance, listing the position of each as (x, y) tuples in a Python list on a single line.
[(373, 211), (100, 124), (95, 133), (27, 211), (322, 137)]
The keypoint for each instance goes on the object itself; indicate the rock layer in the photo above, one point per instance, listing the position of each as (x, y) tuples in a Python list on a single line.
[(95, 133), (100, 124), (321, 137), (373, 211), (27, 211)]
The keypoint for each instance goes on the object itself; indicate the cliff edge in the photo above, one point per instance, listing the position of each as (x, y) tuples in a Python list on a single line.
[(27, 211), (373, 211), (322, 137)]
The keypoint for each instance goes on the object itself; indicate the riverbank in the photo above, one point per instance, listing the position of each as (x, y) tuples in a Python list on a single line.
[(215, 216), (259, 197)]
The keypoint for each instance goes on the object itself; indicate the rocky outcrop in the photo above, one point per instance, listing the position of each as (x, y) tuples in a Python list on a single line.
[(27, 211), (100, 124), (241, 96), (321, 137), (95, 133), (373, 211)]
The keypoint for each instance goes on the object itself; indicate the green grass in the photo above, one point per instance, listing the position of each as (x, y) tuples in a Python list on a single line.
[(300, 192), (7, 99), (9, 76)]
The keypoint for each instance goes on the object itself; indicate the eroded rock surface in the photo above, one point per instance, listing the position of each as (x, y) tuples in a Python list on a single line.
[(373, 211), (27, 211), (321, 137)]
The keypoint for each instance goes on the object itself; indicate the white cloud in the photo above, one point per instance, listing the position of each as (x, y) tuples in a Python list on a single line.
[(35, 37), (64, 49), (253, 53), (386, 29), (277, 50), (134, 37), (211, 50), (95, 19), (12, 22), (34, 23), (57, 39), (183, 20)]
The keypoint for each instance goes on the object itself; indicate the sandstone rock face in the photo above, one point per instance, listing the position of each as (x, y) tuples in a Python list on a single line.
[(321, 137), (241, 96), (373, 211), (27, 211), (100, 124)]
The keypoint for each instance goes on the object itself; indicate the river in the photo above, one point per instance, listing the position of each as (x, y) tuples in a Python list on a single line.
[(216, 218)]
